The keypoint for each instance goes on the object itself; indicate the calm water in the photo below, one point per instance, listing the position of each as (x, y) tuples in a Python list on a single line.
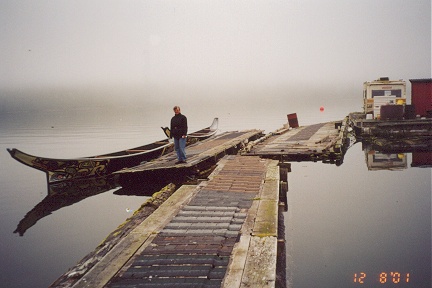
[(342, 221), (348, 226)]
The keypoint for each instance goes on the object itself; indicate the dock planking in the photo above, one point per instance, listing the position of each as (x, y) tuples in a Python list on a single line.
[(318, 142), (216, 234), (200, 155), (222, 232)]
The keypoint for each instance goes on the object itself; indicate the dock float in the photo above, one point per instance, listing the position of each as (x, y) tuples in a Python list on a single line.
[(220, 233), (200, 156), (319, 142), (389, 128)]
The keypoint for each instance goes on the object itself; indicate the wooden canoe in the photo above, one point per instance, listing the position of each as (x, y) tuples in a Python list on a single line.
[(100, 165)]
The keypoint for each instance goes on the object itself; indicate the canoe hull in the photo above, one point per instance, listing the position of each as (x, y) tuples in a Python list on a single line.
[(96, 166), (67, 169)]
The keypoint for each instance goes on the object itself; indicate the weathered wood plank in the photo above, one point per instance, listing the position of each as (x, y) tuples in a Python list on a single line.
[(233, 277), (260, 268), (266, 223)]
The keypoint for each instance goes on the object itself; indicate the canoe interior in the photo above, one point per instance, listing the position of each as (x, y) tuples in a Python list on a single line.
[(140, 149)]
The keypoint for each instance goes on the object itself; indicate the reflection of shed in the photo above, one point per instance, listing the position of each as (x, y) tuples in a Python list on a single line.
[(381, 161), (422, 159), (421, 96)]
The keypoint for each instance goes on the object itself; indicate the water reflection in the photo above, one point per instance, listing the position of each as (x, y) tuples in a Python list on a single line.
[(65, 194), (383, 154), (376, 160), (361, 225)]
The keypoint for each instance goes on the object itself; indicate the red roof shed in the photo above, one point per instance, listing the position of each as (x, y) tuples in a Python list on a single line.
[(421, 96)]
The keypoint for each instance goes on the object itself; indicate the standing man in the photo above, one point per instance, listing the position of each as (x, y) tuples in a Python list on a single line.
[(178, 132)]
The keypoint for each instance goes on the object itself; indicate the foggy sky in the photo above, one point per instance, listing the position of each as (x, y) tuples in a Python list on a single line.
[(183, 46)]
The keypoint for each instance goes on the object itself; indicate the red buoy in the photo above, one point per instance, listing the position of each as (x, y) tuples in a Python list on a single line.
[(321, 108)]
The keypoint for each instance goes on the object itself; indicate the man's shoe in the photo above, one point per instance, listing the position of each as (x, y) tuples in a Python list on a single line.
[(178, 162)]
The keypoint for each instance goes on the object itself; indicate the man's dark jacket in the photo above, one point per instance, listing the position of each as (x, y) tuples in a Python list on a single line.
[(178, 126)]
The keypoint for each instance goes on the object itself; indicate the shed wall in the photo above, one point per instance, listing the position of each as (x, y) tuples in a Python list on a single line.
[(421, 96)]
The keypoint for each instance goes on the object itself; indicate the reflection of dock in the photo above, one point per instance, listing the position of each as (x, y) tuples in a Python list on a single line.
[(382, 161), (389, 155), (411, 144)]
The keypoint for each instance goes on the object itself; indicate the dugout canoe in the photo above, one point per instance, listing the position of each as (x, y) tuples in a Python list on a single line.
[(58, 170)]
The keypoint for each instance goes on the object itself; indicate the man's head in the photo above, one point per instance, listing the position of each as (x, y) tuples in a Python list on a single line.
[(176, 109)]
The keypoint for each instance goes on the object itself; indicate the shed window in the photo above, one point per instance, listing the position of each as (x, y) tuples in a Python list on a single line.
[(397, 93)]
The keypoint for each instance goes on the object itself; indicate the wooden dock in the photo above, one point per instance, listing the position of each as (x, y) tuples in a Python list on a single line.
[(200, 156), (320, 142), (390, 129), (220, 233)]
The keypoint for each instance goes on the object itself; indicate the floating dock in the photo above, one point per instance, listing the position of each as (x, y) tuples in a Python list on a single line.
[(390, 129), (320, 142), (200, 156), (220, 233)]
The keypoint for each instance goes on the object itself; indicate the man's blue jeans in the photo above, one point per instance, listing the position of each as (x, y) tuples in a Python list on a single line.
[(180, 148)]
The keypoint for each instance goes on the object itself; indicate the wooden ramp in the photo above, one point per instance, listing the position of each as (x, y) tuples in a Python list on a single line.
[(221, 233), (319, 142), (200, 156)]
